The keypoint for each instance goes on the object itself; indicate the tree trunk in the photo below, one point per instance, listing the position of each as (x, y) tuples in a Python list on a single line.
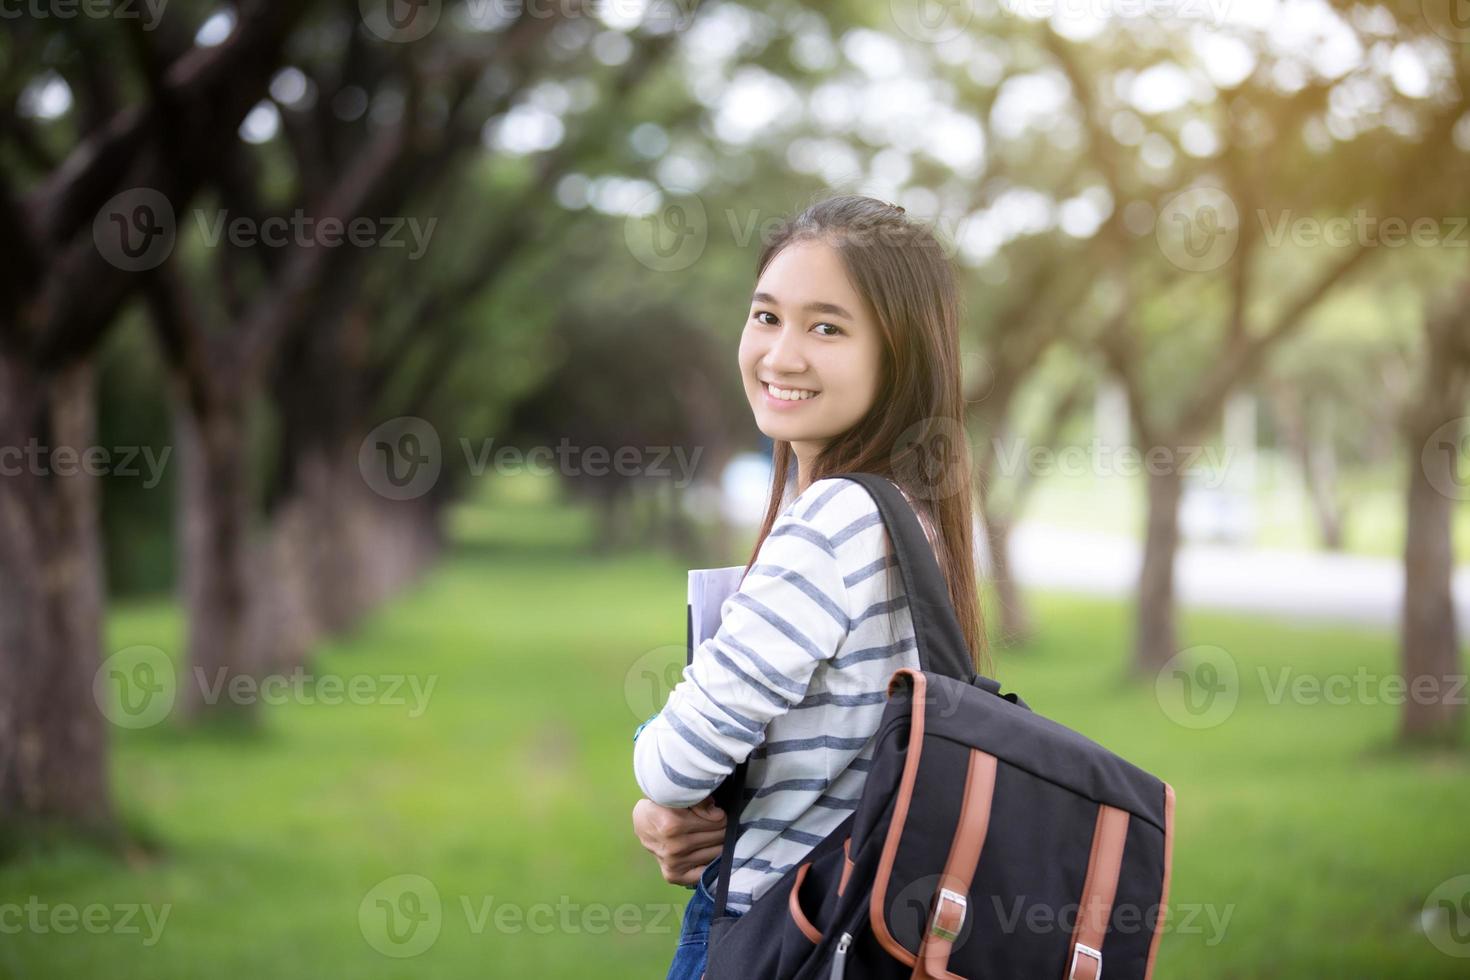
[(1015, 625), (1155, 641), (332, 499), (284, 624), (1437, 442), (214, 538), (1429, 650), (1316, 459), (53, 735), (1319, 464)]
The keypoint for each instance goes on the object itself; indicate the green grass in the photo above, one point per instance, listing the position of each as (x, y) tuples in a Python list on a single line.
[(513, 789)]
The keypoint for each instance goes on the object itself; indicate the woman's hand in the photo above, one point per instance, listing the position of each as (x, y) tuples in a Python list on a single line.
[(683, 839)]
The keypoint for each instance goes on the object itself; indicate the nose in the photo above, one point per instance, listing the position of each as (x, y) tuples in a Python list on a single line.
[(784, 357)]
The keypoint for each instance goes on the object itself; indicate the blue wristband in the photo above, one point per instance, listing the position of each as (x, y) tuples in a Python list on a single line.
[(640, 728)]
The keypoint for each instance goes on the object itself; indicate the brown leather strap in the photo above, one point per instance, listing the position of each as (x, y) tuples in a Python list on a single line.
[(794, 906), (846, 865), (900, 813), (1153, 946), (1084, 954), (951, 895)]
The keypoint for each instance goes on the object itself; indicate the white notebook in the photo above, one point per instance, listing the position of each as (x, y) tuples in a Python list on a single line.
[(708, 590)]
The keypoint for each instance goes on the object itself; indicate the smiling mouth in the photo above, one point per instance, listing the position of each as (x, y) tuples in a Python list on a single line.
[(789, 394)]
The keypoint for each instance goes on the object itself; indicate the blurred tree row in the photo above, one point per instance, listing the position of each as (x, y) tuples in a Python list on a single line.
[(589, 186), (276, 362)]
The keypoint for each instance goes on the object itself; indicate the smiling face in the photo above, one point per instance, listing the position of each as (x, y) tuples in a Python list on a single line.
[(809, 331)]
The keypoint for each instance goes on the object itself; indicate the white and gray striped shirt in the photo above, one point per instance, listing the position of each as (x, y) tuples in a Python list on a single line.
[(795, 679)]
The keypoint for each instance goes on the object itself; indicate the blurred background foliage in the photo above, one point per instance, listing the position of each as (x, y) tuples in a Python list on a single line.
[(1236, 227)]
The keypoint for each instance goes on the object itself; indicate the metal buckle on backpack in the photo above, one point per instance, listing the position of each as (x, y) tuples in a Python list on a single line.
[(949, 915), (1079, 950)]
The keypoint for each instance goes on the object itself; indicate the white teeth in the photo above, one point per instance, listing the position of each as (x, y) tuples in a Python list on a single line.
[(790, 394)]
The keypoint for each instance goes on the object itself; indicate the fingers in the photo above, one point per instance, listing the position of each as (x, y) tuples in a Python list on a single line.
[(687, 870), (684, 840), (677, 823), (686, 845), (705, 855), (707, 809), (689, 877)]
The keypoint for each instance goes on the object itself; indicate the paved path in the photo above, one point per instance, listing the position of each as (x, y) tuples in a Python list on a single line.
[(1296, 584)]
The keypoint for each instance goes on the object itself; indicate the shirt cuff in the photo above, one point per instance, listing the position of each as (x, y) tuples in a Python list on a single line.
[(640, 728)]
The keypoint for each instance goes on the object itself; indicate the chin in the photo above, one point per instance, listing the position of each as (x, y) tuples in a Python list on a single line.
[(780, 433)]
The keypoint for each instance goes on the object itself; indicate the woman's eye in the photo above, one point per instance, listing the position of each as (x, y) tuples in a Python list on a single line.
[(758, 314)]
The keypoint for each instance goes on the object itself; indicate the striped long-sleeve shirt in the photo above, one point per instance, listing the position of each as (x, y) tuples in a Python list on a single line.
[(795, 680)]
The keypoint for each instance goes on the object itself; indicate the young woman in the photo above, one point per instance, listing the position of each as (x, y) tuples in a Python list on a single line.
[(851, 362)]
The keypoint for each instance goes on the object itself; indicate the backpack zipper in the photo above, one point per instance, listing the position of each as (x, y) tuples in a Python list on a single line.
[(839, 961)]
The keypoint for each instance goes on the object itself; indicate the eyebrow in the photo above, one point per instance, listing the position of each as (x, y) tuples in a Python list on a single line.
[(814, 307)]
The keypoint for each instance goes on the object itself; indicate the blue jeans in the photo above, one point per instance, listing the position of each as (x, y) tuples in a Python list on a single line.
[(693, 951)]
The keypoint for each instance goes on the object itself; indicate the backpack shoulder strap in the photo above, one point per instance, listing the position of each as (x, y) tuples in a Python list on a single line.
[(941, 641)]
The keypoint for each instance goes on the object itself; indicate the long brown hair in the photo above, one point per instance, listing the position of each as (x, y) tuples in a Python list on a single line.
[(914, 433)]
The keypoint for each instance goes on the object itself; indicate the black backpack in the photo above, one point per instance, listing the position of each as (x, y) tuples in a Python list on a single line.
[(988, 842)]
